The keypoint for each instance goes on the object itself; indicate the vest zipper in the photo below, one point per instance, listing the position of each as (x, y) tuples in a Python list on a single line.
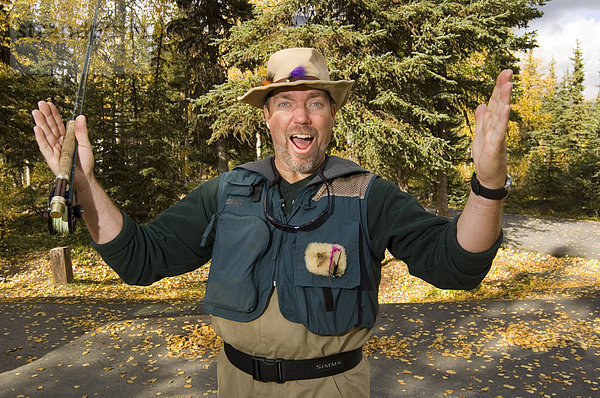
[(275, 258)]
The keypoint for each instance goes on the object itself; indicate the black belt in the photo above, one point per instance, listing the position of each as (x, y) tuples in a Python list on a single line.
[(282, 370)]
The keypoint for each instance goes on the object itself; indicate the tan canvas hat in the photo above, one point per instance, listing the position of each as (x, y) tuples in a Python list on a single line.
[(294, 67)]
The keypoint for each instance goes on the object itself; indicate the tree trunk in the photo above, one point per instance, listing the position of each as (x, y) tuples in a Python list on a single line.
[(258, 147), (26, 179), (222, 156), (120, 37), (402, 181), (119, 68), (441, 193), (134, 90), (441, 183), (157, 69), (441, 197)]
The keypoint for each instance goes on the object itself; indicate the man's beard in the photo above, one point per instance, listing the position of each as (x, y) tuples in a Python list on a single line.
[(302, 163)]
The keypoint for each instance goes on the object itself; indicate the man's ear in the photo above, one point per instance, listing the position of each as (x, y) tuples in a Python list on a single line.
[(267, 115)]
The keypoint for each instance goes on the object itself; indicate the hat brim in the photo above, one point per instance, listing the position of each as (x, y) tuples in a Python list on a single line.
[(339, 90)]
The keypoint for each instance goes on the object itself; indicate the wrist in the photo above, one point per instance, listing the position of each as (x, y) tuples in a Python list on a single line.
[(493, 191), (85, 185)]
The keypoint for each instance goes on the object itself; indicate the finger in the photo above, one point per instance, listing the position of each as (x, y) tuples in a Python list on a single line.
[(46, 109), (502, 118), (42, 127), (479, 113), (52, 119), (57, 118), (480, 116), (504, 85), (502, 91), (49, 152), (501, 111), (505, 92), (504, 77), (44, 119), (81, 132)]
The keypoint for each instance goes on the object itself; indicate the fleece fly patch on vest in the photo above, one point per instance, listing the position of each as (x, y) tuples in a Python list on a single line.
[(326, 259)]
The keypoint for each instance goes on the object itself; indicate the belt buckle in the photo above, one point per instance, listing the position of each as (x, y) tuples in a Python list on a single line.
[(265, 370)]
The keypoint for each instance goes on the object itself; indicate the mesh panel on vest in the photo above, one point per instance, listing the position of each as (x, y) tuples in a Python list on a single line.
[(350, 186)]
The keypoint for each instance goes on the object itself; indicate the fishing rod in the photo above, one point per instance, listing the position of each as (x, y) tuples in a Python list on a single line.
[(62, 208)]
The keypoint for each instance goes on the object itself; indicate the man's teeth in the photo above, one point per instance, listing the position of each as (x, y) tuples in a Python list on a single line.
[(302, 136)]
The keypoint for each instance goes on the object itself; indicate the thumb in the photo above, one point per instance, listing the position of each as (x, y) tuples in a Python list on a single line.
[(81, 132), (480, 113)]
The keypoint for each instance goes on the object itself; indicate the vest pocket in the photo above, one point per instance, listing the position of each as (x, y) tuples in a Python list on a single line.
[(328, 304), (325, 259), (240, 242)]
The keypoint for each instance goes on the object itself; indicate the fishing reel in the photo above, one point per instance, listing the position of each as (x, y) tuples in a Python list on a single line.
[(62, 215)]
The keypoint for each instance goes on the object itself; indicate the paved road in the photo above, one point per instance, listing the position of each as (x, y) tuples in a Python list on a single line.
[(490, 349), (553, 236), (494, 348)]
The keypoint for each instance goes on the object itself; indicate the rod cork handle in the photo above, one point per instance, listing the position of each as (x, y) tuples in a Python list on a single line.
[(67, 151), (58, 202)]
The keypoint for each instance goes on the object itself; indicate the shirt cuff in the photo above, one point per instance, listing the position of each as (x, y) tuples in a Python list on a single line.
[(467, 262), (112, 247)]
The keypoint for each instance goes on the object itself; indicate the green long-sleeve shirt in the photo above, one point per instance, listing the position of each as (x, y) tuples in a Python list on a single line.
[(171, 244)]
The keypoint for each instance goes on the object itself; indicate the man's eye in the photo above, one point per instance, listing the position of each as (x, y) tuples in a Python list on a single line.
[(283, 104)]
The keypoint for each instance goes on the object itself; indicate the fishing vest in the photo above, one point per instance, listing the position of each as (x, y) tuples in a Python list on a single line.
[(326, 278)]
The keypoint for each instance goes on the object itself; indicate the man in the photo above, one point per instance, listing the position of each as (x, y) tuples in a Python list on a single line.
[(296, 240)]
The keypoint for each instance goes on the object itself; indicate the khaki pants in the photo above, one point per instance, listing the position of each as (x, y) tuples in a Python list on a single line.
[(233, 383), (273, 336)]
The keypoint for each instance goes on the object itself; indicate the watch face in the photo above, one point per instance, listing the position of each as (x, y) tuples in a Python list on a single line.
[(508, 181)]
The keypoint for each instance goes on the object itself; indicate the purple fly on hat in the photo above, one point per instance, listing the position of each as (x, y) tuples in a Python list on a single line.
[(298, 66)]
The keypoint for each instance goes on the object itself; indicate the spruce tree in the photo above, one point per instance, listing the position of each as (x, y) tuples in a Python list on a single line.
[(194, 31), (577, 77), (414, 63), (565, 162)]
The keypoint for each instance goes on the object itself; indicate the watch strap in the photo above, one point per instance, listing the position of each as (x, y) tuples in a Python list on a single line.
[(495, 194)]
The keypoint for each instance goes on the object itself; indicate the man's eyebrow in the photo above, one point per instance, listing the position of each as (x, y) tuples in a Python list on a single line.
[(318, 94), (284, 95), (315, 94)]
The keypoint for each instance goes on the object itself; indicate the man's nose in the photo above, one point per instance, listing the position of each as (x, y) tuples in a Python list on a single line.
[(301, 115)]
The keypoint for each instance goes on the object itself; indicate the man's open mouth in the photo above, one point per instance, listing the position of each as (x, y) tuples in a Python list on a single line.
[(302, 141)]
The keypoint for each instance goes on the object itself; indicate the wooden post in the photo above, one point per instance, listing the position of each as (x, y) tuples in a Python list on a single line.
[(62, 269)]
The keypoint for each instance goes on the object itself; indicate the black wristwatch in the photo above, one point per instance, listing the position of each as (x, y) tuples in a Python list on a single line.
[(487, 193)]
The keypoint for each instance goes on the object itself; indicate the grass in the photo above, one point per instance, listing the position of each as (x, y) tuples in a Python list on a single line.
[(515, 275), (25, 274)]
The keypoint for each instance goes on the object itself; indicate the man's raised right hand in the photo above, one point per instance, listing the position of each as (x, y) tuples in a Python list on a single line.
[(49, 132)]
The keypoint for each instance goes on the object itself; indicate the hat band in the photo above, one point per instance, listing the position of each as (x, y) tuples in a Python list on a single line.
[(295, 78)]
